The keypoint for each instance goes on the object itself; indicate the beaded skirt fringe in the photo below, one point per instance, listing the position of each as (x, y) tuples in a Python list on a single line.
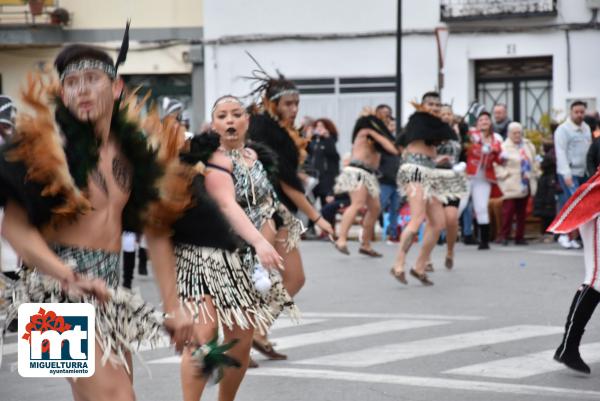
[(123, 323), (220, 275), (353, 178), (442, 184)]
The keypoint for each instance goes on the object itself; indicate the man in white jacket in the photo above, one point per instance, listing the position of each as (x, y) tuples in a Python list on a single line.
[(572, 140)]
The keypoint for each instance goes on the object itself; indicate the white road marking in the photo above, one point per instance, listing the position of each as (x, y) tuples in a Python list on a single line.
[(413, 349), (9, 349), (343, 333), (526, 365), (552, 252), (285, 323), (390, 316), (339, 333), (430, 382)]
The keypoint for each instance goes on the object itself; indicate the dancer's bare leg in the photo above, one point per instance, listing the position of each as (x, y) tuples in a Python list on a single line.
[(358, 199), (417, 216), (233, 377), (373, 209), (451, 213), (110, 382), (192, 382), (435, 221), (293, 273)]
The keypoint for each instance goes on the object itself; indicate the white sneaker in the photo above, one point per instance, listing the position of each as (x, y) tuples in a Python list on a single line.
[(575, 244), (564, 241)]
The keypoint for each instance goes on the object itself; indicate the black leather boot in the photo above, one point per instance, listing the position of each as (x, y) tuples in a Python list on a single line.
[(582, 308), (484, 236)]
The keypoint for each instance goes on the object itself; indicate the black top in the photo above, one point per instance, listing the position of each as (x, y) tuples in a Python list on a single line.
[(323, 162), (264, 129), (426, 127), (388, 167), (203, 224)]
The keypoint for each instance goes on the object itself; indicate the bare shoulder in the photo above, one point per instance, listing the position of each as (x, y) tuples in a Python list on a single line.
[(222, 160)]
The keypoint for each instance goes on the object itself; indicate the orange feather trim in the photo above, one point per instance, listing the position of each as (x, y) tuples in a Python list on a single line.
[(40, 148), (175, 194)]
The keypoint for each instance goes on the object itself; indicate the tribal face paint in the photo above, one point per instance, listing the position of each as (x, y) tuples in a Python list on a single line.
[(230, 121), (88, 94)]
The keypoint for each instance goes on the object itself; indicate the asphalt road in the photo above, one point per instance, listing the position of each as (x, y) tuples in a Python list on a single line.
[(485, 331)]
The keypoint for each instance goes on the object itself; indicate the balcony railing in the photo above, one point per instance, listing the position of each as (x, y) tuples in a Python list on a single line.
[(471, 10), (17, 13)]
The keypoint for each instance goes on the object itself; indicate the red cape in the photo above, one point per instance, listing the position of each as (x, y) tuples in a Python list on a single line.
[(582, 206)]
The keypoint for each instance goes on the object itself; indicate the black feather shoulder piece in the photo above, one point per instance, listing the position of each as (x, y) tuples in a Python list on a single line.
[(201, 148)]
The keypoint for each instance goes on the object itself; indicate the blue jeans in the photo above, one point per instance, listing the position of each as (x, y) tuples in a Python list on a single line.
[(566, 190), (467, 219), (389, 198)]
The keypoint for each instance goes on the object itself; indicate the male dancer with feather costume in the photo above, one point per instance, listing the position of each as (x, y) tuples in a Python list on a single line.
[(71, 182)]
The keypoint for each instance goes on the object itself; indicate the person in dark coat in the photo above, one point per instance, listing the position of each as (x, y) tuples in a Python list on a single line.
[(544, 202), (323, 158), (593, 155)]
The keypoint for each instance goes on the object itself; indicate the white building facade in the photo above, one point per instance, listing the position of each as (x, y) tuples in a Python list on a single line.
[(535, 56)]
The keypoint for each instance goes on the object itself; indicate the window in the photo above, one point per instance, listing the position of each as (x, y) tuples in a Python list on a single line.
[(523, 84)]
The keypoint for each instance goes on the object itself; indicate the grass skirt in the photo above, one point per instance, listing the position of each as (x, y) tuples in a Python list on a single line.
[(122, 323), (352, 178), (442, 184), (218, 273)]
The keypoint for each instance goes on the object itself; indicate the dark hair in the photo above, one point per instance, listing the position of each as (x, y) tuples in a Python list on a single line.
[(501, 105), (430, 94), (78, 52), (578, 103), (382, 106), (591, 121), (484, 113), (277, 85), (329, 125)]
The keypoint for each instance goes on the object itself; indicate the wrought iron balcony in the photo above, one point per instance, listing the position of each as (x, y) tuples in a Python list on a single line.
[(473, 10)]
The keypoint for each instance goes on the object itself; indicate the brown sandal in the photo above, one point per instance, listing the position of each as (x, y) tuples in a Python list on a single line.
[(421, 277), (342, 249), (370, 252), (429, 267), (267, 350), (401, 277), (449, 263)]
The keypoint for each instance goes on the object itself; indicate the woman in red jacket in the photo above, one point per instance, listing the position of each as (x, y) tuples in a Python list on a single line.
[(483, 152)]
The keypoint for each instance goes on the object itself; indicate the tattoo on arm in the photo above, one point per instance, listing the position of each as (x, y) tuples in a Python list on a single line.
[(99, 180), (122, 173)]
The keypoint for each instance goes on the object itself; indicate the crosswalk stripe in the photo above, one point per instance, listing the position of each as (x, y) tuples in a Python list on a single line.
[(413, 349), (164, 341), (526, 365), (390, 316), (343, 333), (339, 333), (430, 382), (287, 323)]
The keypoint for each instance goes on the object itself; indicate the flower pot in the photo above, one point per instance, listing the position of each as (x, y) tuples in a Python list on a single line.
[(36, 7)]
